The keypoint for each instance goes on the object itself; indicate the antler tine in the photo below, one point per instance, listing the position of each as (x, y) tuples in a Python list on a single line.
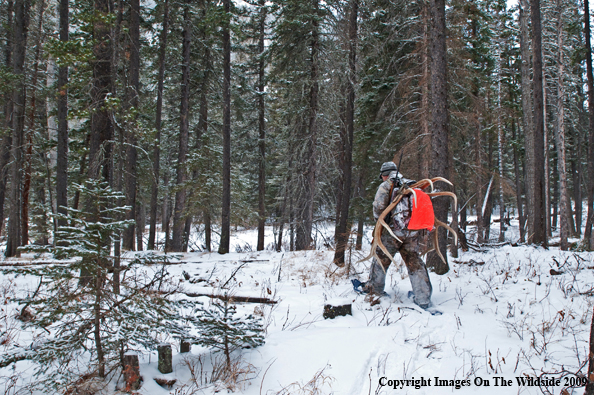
[(385, 251), (422, 183), (410, 190), (436, 243), (374, 245), (434, 179), (426, 252), (385, 225), (377, 232), (448, 228), (446, 193)]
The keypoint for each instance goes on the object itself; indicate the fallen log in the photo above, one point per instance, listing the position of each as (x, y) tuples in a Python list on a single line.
[(233, 298)]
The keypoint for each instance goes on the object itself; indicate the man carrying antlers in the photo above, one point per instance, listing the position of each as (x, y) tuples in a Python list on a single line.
[(406, 243)]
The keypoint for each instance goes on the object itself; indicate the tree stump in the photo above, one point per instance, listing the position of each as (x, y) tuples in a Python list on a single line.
[(336, 308), (132, 377), (184, 347), (165, 364)]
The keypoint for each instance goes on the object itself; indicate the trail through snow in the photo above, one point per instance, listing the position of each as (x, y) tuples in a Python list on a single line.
[(504, 317)]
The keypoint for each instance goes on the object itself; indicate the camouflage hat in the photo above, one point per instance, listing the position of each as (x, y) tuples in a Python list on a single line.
[(387, 168)]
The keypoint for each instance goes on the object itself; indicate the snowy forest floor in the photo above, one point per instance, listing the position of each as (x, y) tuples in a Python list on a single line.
[(505, 316)]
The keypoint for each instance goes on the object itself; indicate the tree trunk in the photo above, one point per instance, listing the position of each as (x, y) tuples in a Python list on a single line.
[(29, 132), (81, 171), (62, 143), (180, 195), (527, 114), (140, 225), (207, 230), (158, 125), (18, 125), (425, 150), (576, 167), (166, 213), (4, 160), (132, 105), (226, 199), (343, 230), (547, 172), (518, 176), (308, 162), (6, 149), (261, 129), (97, 321), (590, 186), (500, 137), (202, 127), (361, 214), (440, 123), (590, 375), (560, 135), (538, 233), (100, 145), (480, 228)]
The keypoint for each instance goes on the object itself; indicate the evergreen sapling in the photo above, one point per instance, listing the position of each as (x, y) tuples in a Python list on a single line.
[(83, 326), (224, 330)]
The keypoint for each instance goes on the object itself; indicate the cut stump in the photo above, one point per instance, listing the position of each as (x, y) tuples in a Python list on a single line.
[(184, 347), (331, 311), (132, 377), (165, 364)]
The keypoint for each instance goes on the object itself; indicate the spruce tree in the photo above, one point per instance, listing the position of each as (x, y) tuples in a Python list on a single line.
[(224, 331), (92, 326)]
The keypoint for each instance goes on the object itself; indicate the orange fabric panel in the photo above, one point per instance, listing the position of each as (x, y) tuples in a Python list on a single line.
[(422, 214)]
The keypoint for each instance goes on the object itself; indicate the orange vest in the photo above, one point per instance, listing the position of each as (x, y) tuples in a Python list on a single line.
[(422, 213)]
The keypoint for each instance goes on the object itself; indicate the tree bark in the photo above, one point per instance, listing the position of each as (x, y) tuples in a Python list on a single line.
[(29, 133), (226, 200), (62, 143), (500, 137), (560, 135), (590, 375), (261, 128), (21, 8), (100, 146), (202, 127), (439, 123), (158, 125), (547, 173), (527, 114), (308, 162), (590, 186), (132, 92), (180, 195), (538, 233), (6, 137), (343, 231), (576, 167), (519, 200), (207, 230), (425, 150)]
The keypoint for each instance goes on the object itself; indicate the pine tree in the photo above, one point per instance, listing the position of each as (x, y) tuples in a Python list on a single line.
[(93, 326), (222, 330)]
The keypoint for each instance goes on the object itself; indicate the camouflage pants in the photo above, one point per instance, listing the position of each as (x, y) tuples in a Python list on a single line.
[(417, 271)]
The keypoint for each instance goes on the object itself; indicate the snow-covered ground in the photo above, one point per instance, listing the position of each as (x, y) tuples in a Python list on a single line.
[(505, 318)]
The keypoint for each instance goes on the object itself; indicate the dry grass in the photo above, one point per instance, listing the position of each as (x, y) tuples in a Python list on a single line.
[(317, 385), (213, 372)]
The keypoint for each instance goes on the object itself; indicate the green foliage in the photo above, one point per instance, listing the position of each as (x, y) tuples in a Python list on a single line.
[(87, 311), (223, 330)]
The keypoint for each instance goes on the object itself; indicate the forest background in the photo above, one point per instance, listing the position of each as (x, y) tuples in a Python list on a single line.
[(211, 115)]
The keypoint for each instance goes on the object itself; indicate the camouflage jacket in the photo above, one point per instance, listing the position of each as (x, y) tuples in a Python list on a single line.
[(400, 215)]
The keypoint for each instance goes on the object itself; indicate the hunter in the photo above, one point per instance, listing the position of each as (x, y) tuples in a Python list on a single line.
[(408, 247)]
